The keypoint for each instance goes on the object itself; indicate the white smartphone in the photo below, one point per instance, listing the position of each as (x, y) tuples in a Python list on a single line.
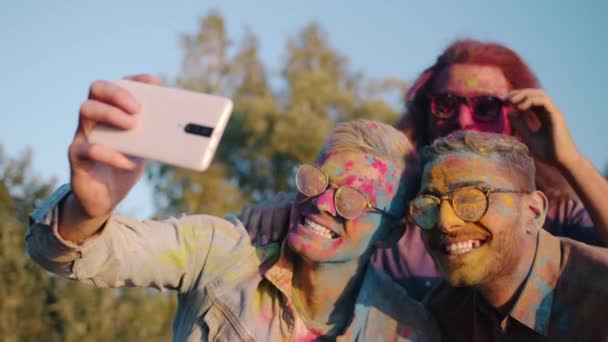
[(175, 126)]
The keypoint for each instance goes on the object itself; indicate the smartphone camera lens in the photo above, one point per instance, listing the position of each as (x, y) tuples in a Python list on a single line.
[(203, 131)]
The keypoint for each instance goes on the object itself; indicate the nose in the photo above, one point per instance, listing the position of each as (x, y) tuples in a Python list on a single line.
[(465, 117), (448, 221), (325, 201)]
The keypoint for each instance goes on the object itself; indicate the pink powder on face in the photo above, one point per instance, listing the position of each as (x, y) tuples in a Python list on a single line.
[(351, 180), (326, 200), (381, 166), (370, 190)]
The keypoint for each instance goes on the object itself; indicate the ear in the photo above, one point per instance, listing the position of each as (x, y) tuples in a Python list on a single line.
[(538, 204)]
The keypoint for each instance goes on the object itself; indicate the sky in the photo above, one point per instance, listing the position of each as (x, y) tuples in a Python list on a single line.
[(50, 52)]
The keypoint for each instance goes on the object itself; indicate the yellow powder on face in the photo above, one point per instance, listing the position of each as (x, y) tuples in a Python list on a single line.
[(472, 82)]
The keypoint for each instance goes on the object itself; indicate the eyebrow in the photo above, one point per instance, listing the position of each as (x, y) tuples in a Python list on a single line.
[(453, 186)]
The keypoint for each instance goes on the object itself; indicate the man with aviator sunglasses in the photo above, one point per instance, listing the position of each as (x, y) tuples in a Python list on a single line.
[(504, 277), (315, 286)]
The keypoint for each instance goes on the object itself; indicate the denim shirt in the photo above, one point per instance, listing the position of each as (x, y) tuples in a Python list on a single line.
[(227, 289)]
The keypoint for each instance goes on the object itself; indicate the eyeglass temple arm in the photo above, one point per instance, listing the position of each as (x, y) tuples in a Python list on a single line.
[(385, 212)]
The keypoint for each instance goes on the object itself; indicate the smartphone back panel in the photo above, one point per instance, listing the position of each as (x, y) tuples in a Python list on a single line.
[(175, 126)]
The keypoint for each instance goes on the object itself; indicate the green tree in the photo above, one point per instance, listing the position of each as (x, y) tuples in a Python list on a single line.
[(35, 306), (281, 115)]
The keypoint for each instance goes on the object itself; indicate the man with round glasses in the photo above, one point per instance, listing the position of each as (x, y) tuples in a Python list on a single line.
[(485, 87), (316, 286), (504, 277)]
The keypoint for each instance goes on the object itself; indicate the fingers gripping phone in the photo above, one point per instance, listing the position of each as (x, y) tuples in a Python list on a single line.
[(177, 127)]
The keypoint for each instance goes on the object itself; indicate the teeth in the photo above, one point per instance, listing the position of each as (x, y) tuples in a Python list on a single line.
[(319, 229), (462, 247)]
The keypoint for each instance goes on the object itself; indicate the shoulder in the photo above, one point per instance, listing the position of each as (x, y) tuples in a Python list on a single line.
[(582, 287), (386, 298), (228, 228), (582, 262)]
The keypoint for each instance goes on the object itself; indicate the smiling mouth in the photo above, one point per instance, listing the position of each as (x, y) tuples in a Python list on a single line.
[(318, 229), (462, 247)]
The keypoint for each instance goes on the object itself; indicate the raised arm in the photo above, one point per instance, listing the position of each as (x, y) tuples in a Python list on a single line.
[(175, 254), (75, 234), (267, 221), (543, 128)]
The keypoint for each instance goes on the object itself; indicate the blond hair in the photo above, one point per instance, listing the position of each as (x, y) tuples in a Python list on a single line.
[(371, 137), (382, 141)]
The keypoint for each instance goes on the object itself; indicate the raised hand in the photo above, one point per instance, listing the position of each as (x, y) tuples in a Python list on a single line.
[(541, 125), (268, 221)]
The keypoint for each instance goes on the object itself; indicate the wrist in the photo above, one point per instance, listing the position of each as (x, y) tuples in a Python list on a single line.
[(74, 224)]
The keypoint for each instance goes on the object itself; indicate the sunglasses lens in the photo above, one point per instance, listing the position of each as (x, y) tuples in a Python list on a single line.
[(469, 203), (424, 211), (444, 106), (487, 108), (350, 203), (310, 180)]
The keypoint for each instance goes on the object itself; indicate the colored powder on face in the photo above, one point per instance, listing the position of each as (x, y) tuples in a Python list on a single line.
[(369, 159), (351, 180), (380, 166), (326, 199), (390, 189), (369, 189), (472, 82)]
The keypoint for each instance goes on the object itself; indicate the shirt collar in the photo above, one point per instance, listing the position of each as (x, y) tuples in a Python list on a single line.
[(533, 305), (280, 273)]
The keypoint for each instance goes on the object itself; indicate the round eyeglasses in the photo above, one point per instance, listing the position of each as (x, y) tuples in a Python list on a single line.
[(469, 203), (350, 203)]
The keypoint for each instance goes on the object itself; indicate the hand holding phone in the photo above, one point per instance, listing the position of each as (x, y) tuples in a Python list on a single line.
[(100, 176), (174, 126)]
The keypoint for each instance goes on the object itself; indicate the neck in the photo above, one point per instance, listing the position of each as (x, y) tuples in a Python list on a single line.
[(502, 291), (326, 292)]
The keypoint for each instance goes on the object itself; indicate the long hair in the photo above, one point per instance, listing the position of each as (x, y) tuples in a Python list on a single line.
[(415, 122)]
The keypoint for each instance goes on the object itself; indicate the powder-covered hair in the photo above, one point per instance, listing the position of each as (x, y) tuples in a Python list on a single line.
[(371, 137), (512, 153), (380, 140)]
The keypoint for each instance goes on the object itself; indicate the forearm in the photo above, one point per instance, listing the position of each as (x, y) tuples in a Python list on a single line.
[(74, 224), (171, 253), (592, 189)]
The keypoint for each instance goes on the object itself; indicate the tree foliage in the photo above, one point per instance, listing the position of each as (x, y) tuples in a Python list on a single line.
[(281, 115), (35, 306)]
